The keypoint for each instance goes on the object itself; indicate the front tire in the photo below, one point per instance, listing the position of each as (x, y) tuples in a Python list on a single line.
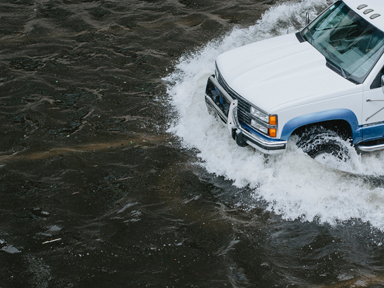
[(318, 140)]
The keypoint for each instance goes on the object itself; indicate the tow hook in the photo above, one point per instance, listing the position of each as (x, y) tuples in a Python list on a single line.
[(234, 133), (238, 137)]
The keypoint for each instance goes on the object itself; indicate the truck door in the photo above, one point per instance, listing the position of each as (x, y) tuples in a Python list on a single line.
[(373, 110)]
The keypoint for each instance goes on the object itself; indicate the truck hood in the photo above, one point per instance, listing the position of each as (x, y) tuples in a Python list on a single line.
[(281, 72)]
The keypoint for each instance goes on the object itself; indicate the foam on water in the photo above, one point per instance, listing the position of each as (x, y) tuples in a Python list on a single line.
[(294, 185)]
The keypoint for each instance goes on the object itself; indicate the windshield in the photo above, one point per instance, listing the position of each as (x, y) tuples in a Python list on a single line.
[(351, 45)]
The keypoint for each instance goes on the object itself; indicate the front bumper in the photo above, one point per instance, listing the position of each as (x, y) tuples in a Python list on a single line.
[(228, 114)]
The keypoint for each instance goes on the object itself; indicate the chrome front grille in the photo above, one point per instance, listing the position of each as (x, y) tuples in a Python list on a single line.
[(243, 105)]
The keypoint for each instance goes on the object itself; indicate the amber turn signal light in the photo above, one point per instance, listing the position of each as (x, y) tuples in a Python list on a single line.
[(272, 120), (272, 132)]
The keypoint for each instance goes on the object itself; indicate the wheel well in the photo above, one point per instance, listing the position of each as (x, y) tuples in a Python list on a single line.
[(341, 127)]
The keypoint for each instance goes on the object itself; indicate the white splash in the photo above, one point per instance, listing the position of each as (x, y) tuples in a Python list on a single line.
[(294, 185)]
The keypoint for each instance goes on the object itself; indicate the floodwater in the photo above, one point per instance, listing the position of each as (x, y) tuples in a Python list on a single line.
[(113, 174)]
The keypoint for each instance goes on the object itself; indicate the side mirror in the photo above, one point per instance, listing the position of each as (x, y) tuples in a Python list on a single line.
[(382, 83), (307, 20)]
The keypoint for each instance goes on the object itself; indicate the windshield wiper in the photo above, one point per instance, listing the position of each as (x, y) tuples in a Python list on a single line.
[(310, 34), (335, 59)]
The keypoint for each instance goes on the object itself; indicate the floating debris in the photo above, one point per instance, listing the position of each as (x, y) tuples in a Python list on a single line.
[(50, 241)]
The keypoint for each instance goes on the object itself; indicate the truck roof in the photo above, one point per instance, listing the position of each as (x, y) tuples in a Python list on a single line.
[(370, 10)]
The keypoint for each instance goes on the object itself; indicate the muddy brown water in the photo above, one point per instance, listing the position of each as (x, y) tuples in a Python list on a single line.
[(95, 193)]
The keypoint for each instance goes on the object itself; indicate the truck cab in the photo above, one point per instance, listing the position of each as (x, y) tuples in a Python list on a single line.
[(326, 78)]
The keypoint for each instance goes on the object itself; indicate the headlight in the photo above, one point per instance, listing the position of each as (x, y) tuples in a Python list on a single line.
[(268, 123), (260, 115), (259, 126)]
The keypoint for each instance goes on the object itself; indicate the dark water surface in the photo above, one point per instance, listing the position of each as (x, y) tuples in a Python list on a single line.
[(85, 158)]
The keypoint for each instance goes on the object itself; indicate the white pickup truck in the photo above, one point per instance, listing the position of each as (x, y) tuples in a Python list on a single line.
[(326, 79)]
